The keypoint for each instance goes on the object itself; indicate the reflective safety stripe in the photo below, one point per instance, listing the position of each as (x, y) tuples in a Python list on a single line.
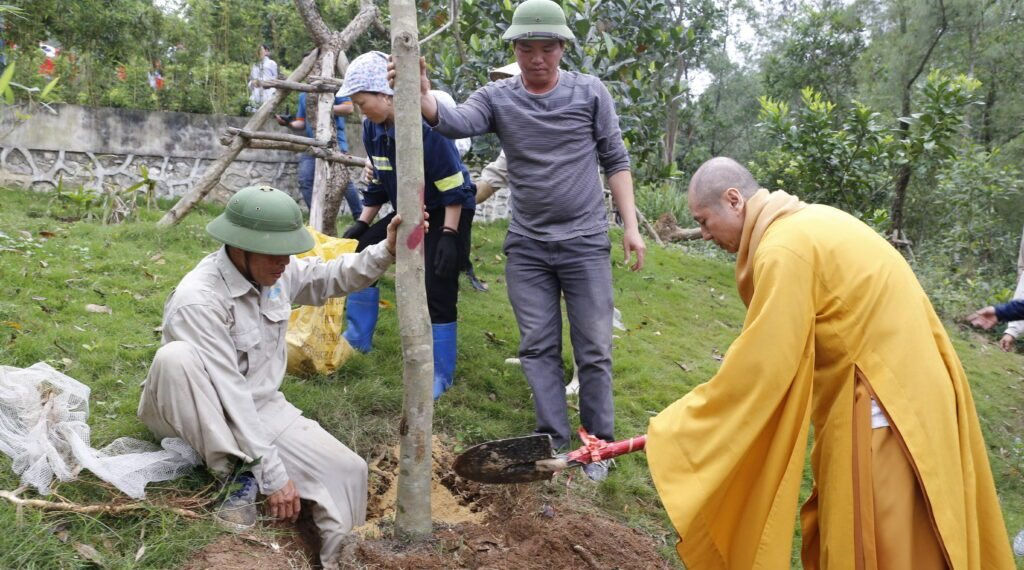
[(449, 182), (381, 163)]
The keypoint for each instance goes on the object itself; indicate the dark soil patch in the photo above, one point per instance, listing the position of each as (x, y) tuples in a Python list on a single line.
[(523, 535), (476, 526)]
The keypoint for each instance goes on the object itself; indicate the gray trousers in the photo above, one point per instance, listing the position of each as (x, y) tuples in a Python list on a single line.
[(179, 400), (538, 274)]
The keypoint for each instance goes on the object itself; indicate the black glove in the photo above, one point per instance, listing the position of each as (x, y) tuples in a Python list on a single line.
[(356, 230), (446, 258)]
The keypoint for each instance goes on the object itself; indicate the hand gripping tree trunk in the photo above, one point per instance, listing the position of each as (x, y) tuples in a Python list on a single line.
[(412, 514)]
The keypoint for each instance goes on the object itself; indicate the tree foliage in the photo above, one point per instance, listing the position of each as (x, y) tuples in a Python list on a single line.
[(641, 60), (847, 156), (886, 108)]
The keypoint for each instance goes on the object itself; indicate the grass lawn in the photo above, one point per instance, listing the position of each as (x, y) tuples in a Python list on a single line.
[(681, 313)]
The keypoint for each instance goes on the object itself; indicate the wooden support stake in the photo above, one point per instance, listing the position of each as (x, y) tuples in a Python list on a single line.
[(320, 217), (325, 80), (213, 172), (311, 87), (276, 136), (331, 156)]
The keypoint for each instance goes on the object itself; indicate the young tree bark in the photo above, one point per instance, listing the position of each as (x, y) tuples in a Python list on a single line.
[(412, 516)]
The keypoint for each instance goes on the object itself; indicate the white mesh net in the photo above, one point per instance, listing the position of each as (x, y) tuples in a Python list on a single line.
[(43, 430)]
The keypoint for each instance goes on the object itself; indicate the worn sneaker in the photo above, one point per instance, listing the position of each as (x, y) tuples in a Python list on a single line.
[(598, 470), (1018, 544), (238, 511)]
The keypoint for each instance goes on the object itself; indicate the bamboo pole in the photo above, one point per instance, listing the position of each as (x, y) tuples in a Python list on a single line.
[(412, 516)]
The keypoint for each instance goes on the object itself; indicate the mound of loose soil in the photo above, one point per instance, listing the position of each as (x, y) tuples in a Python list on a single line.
[(476, 526)]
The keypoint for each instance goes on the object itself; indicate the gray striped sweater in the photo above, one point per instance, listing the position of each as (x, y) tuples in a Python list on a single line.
[(554, 143)]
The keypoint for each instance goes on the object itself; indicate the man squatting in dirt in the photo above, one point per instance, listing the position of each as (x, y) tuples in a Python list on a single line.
[(840, 335), (215, 381), (558, 233)]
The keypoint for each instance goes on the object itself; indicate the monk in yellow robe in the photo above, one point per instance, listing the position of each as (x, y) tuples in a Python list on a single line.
[(840, 336)]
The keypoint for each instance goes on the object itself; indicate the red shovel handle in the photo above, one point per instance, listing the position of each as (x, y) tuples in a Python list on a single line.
[(599, 450)]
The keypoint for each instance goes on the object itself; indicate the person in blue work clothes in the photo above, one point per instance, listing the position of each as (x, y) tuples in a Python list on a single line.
[(307, 162), (988, 317), (449, 201)]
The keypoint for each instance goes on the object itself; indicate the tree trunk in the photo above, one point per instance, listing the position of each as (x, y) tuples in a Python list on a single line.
[(904, 171), (412, 515), (320, 215), (986, 114), (902, 174), (672, 117), (213, 172)]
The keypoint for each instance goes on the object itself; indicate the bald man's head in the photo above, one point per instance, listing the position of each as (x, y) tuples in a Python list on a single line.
[(716, 176), (717, 197)]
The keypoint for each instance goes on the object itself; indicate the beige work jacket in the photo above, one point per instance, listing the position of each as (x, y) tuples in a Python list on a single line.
[(239, 331)]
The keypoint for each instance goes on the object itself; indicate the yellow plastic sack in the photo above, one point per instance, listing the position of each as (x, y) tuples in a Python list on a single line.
[(315, 344)]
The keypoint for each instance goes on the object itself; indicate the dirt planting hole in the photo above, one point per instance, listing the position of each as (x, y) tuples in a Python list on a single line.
[(475, 526)]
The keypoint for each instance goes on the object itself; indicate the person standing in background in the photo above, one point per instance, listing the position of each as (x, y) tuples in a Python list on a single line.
[(262, 70)]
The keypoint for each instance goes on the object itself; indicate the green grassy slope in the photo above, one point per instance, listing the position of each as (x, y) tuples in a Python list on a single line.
[(681, 313)]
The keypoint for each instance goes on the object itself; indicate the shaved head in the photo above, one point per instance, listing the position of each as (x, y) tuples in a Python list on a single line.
[(716, 176)]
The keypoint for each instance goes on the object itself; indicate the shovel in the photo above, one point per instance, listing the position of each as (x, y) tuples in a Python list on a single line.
[(529, 458)]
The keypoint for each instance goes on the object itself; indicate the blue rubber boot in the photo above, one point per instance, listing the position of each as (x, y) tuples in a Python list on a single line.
[(361, 310), (444, 357)]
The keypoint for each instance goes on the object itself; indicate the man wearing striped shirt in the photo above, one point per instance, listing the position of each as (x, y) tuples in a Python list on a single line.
[(556, 128)]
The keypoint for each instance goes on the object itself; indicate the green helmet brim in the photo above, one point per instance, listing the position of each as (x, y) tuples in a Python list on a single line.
[(538, 32), (268, 242)]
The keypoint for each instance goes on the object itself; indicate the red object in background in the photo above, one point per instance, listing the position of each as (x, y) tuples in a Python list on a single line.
[(159, 82), (122, 73), (47, 67)]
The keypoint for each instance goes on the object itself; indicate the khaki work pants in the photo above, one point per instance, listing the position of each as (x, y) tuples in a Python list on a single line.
[(179, 401)]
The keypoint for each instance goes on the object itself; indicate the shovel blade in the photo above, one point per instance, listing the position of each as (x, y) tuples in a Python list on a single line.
[(510, 460)]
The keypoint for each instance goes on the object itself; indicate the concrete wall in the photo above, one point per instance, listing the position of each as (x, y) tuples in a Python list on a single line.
[(97, 146)]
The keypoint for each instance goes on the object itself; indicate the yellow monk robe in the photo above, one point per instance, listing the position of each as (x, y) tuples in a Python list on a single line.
[(827, 297)]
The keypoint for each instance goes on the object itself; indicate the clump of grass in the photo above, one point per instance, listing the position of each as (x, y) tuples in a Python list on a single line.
[(681, 314)]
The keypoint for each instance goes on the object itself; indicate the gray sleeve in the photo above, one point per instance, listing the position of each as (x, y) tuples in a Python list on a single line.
[(314, 281), (203, 327), (611, 152), (472, 118)]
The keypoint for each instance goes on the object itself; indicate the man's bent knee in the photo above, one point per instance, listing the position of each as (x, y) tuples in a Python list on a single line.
[(175, 353)]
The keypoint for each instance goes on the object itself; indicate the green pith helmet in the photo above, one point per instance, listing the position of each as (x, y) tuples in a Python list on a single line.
[(262, 219), (538, 19)]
